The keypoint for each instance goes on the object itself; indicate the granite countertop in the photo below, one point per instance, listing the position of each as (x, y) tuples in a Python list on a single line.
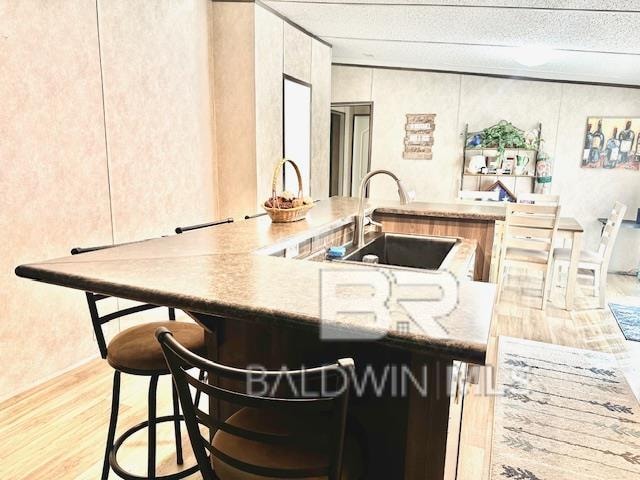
[(482, 211), (449, 210), (218, 271)]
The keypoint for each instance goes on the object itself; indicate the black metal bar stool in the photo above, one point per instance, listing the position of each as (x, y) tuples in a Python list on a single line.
[(135, 351), (271, 435)]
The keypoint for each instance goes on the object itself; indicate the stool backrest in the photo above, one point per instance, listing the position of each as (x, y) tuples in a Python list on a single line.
[(539, 199), (610, 232), (98, 321), (333, 405), (531, 227)]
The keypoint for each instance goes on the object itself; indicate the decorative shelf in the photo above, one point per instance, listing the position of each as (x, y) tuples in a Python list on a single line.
[(482, 149), (497, 175), (475, 182)]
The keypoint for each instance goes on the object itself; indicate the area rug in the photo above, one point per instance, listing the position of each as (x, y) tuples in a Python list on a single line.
[(628, 318)]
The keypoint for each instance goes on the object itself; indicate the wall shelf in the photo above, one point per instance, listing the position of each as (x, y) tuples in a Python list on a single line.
[(483, 149), (497, 175), (515, 184)]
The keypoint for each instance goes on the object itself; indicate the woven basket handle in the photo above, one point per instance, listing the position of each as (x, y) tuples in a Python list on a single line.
[(274, 180)]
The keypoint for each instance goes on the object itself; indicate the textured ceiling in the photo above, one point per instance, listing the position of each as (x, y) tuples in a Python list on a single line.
[(592, 40)]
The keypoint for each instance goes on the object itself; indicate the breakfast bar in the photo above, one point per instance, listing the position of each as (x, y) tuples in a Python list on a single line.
[(260, 308)]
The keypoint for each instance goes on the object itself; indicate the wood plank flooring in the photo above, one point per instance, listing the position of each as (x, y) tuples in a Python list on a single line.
[(518, 315), (57, 430)]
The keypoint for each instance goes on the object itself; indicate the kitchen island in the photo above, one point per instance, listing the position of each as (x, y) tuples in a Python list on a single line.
[(260, 308), (483, 223)]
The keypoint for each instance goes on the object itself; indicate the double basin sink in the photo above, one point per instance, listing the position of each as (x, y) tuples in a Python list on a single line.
[(408, 251)]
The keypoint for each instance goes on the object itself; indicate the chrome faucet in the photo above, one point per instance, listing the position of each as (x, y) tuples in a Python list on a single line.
[(358, 234)]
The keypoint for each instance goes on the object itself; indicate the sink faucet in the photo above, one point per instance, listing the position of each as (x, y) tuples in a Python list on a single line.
[(358, 234)]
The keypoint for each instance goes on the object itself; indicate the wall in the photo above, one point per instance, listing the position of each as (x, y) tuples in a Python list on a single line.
[(562, 108), (234, 104), (253, 48), (75, 173)]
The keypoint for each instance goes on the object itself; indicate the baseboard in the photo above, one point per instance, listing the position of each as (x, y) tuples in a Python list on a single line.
[(48, 378)]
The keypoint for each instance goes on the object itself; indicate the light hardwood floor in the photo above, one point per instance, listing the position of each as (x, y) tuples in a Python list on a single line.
[(57, 430), (518, 315)]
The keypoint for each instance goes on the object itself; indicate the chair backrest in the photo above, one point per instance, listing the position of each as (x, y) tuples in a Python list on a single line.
[(531, 227), (333, 405), (479, 195), (180, 230), (539, 198), (98, 321), (610, 232)]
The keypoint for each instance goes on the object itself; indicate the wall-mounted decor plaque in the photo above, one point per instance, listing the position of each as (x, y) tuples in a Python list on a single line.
[(418, 140)]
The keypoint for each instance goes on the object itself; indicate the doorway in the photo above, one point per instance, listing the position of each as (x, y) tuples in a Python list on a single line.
[(351, 127)]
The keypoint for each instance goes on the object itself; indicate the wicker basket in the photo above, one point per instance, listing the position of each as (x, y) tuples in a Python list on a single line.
[(285, 215)]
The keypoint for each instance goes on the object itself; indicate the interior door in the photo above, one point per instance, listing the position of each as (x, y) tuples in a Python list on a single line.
[(360, 155), (337, 153)]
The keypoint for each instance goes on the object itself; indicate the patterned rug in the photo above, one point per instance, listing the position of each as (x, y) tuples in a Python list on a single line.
[(628, 317), (562, 414)]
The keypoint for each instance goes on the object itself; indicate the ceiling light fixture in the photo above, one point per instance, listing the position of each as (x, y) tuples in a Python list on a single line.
[(533, 55)]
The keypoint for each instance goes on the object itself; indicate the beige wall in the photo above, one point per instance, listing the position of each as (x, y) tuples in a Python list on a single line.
[(155, 63), (56, 171), (562, 108), (253, 48), (269, 51), (321, 118), (234, 60)]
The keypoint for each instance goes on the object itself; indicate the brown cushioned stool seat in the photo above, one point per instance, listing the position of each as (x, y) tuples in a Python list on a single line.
[(290, 456), (136, 350)]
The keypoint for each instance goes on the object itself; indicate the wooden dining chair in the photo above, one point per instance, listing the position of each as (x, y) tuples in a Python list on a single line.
[(596, 261), (539, 199), (135, 351), (273, 433), (528, 239)]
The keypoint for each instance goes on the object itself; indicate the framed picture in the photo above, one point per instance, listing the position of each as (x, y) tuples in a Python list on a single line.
[(504, 194), (612, 142)]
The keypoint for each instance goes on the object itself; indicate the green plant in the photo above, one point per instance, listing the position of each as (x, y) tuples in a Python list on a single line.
[(503, 135)]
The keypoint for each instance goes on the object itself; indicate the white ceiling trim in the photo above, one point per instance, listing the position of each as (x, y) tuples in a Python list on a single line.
[(567, 5)]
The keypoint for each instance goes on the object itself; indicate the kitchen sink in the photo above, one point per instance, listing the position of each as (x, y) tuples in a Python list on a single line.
[(413, 251)]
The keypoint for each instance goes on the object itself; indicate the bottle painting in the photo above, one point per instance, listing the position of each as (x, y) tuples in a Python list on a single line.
[(612, 151), (588, 141), (626, 143), (597, 145)]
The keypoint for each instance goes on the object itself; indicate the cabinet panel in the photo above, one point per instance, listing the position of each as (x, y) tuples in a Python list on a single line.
[(297, 54)]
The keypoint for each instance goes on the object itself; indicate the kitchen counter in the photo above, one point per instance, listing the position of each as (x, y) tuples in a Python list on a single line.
[(259, 308), (464, 211), (216, 271)]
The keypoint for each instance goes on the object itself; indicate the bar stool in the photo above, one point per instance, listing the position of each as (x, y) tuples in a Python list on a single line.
[(273, 435), (136, 352)]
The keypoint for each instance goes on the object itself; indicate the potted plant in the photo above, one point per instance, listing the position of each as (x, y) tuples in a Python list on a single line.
[(505, 135)]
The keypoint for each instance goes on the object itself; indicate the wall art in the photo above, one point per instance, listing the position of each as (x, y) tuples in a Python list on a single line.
[(612, 143)]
